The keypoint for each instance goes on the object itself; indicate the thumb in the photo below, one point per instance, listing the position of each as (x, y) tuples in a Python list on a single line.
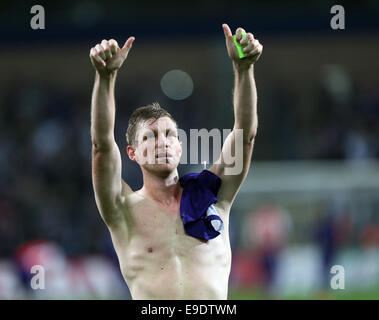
[(128, 44), (227, 32)]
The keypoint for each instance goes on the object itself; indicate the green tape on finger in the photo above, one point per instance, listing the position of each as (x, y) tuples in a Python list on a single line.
[(240, 47)]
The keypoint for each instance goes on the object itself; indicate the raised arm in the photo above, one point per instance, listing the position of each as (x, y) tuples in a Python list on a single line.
[(108, 185), (235, 158)]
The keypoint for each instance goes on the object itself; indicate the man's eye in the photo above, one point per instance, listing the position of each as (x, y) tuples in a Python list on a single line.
[(148, 136)]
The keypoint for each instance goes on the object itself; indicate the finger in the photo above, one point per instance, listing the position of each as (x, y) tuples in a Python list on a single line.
[(227, 31), (247, 39), (94, 56), (251, 46), (128, 44), (255, 51), (100, 50), (104, 43), (113, 46), (239, 32), (107, 49)]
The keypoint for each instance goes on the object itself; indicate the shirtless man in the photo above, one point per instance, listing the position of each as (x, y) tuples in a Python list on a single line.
[(158, 259)]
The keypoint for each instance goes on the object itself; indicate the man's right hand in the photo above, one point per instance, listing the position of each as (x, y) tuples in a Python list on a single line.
[(107, 57)]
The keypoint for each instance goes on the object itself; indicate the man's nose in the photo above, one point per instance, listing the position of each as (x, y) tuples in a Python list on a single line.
[(161, 140)]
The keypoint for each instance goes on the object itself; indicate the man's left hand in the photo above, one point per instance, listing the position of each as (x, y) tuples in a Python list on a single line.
[(253, 50)]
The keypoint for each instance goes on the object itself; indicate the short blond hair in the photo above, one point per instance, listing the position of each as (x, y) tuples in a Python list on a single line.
[(151, 111)]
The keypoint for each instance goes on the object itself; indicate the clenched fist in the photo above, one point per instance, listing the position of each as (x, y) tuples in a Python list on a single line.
[(108, 57), (253, 49)]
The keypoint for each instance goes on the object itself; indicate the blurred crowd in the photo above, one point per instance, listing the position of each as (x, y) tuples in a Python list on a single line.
[(339, 120), (46, 171), (283, 253)]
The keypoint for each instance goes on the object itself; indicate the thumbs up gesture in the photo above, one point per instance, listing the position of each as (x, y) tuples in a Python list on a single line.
[(107, 57), (252, 49)]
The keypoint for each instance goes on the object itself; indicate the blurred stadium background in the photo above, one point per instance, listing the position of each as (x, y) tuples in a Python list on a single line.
[(311, 199)]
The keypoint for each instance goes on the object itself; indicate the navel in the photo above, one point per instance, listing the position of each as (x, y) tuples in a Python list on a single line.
[(150, 250)]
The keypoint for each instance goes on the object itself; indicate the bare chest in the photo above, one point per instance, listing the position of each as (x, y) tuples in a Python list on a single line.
[(159, 254), (150, 220), (161, 230)]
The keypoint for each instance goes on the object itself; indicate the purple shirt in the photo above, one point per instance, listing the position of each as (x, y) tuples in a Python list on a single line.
[(200, 218)]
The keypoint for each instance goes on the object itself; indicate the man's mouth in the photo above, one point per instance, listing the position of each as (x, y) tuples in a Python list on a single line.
[(163, 155)]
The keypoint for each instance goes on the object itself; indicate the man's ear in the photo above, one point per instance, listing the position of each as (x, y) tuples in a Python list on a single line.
[(131, 151)]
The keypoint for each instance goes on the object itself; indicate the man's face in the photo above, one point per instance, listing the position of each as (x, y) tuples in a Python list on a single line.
[(157, 147)]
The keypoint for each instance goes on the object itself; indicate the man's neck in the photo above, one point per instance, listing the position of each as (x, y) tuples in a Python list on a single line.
[(164, 190)]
